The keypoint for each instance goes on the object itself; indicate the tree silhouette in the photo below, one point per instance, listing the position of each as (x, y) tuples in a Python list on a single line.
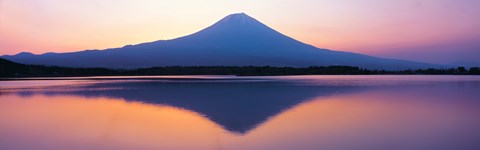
[(12, 69)]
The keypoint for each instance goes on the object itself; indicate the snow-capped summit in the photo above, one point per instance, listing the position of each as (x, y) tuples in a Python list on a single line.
[(238, 18)]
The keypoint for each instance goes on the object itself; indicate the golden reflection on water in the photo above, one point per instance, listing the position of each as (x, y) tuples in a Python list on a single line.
[(367, 120), (70, 122)]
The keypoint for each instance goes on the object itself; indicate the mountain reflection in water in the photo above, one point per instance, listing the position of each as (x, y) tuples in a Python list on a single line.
[(260, 113), (238, 106)]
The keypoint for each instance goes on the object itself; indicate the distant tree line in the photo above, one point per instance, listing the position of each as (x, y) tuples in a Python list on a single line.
[(12, 69), (314, 70)]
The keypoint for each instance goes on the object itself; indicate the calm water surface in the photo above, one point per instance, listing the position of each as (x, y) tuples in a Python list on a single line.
[(241, 113)]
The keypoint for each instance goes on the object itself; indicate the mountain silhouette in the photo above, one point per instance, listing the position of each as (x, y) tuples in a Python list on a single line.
[(236, 40)]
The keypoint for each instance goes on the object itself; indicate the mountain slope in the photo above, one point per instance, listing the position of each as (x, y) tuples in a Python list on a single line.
[(236, 40)]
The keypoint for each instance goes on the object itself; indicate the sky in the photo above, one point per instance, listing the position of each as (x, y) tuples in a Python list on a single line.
[(435, 31)]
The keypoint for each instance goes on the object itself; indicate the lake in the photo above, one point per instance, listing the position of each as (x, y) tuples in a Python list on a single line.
[(241, 113)]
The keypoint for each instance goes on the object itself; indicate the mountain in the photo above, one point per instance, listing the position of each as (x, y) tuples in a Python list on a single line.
[(236, 40)]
